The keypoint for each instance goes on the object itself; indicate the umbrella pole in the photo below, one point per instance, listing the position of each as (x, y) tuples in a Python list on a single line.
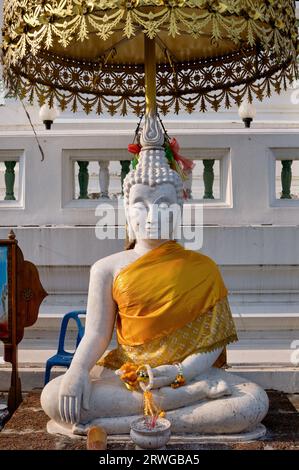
[(150, 74)]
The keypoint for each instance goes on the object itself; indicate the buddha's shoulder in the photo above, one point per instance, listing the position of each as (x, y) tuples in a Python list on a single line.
[(205, 260), (111, 264)]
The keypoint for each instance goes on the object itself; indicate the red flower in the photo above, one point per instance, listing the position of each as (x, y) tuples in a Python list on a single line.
[(185, 163), (134, 148)]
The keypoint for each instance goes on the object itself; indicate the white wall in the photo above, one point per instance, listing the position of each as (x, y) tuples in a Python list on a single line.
[(247, 228)]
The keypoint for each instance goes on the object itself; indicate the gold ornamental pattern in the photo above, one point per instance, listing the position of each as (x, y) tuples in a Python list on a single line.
[(78, 52), (209, 331)]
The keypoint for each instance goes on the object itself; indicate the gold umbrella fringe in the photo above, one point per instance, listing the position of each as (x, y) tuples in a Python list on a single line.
[(120, 89), (30, 25), (265, 32)]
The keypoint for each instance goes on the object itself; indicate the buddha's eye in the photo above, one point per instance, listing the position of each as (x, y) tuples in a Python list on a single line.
[(163, 205), (139, 205)]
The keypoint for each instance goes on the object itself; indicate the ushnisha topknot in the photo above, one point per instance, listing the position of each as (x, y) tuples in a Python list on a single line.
[(153, 167)]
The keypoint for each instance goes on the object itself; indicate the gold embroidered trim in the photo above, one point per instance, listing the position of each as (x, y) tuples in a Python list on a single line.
[(208, 332)]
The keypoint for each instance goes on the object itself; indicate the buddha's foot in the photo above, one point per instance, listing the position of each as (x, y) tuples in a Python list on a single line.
[(218, 389)]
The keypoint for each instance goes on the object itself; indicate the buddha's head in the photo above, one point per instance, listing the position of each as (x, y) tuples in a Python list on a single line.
[(153, 192)]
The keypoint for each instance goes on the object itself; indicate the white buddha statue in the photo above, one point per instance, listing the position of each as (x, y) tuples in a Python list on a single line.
[(171, 310)]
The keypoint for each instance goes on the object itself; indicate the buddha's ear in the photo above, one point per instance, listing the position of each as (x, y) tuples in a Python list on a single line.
[(129, 230), (177, 222)]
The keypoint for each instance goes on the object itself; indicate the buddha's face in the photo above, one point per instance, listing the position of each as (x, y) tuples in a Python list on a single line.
[(153, 212)]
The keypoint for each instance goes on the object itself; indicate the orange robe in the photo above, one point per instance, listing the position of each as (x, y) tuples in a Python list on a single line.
[(172, 302)]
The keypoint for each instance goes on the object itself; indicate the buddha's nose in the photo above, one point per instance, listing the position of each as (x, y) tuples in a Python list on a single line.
[(152, 216)]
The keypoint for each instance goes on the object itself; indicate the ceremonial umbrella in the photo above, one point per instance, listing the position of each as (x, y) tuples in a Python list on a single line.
[(115, 55)]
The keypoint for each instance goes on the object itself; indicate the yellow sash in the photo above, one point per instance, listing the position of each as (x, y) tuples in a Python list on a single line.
[(164, 290)]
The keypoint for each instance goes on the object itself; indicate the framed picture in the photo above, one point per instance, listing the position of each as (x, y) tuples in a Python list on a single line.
[(5, 291), (21, 294)]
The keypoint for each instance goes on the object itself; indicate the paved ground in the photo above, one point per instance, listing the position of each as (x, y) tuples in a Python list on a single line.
[(27, 430)]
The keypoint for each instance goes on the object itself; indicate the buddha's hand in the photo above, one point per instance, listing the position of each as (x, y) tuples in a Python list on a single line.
[(74, 393), (164, 375)]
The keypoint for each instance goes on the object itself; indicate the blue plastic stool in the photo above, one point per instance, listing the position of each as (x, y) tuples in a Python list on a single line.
[(62, 357)]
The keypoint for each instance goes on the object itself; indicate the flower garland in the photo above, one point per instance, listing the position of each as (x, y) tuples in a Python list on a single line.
[(176, 161), (135, 377)]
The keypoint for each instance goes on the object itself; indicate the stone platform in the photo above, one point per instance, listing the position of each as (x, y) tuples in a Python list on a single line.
[(27, 430)]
